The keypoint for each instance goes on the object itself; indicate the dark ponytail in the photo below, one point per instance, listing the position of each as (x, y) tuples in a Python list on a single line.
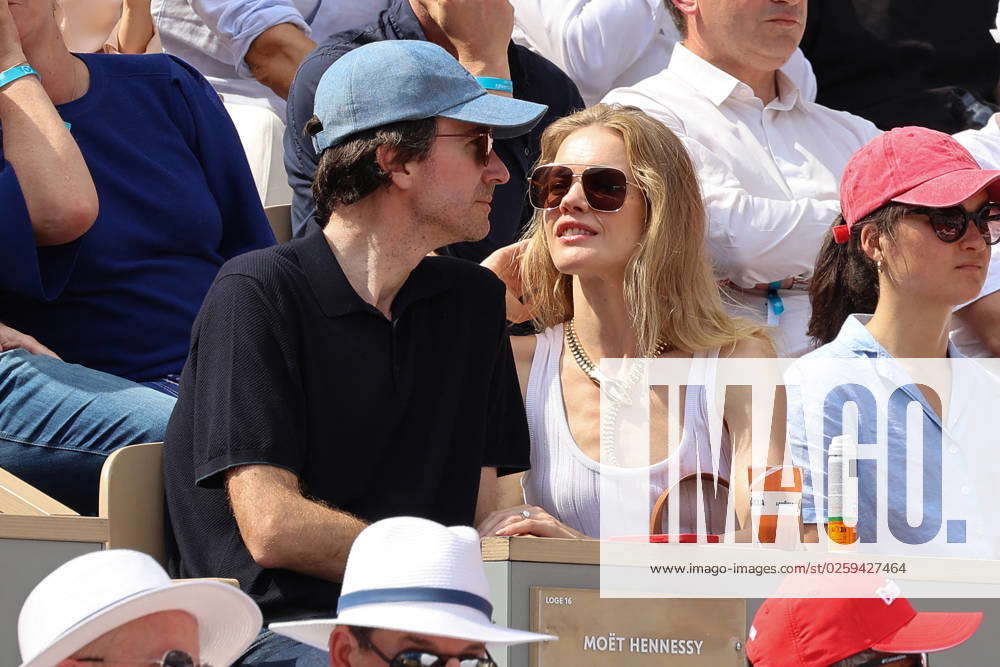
[(845, 280)]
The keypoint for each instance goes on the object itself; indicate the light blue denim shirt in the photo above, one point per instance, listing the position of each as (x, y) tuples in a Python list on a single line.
[(853, 386)]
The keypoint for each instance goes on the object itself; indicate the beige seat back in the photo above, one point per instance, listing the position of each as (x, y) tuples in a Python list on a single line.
[(280, 217), (19, 497), (132, 497)]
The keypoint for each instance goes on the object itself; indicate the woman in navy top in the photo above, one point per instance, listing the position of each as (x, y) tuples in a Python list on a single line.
[(123, 189), (919, 218), (176, 200)]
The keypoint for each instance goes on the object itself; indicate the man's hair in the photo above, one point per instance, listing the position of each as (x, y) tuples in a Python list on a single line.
[(862, 658), (678, 16), (852, 660), (349, 171), (362, 635)]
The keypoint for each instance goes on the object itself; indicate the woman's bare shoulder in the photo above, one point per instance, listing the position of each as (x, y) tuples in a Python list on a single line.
[(752, 347)]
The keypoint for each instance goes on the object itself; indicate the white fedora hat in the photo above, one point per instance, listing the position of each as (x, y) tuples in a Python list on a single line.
[(417, 576), (98, 592)]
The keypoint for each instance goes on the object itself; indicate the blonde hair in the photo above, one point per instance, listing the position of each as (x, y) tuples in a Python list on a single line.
[(670, 293)]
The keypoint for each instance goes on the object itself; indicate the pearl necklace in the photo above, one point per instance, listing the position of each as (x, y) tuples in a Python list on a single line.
[(618, 392)]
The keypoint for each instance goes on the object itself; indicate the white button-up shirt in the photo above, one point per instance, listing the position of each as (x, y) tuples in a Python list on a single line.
[(608, 44), (769, 173), (215, 35)]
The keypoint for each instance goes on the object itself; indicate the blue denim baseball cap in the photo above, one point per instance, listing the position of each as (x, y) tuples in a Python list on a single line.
[(390, 81)]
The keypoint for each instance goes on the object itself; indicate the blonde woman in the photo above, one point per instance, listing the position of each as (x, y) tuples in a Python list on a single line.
[(613, 265)]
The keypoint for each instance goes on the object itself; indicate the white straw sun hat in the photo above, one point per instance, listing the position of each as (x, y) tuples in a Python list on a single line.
[(98, 592), (417, 576)]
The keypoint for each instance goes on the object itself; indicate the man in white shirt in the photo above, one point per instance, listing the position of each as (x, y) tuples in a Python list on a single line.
[(249, 51), (608, 44), (768, 159)]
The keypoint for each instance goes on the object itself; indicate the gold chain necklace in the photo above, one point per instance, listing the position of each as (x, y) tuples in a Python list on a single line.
[(618, 392), (584, 362)]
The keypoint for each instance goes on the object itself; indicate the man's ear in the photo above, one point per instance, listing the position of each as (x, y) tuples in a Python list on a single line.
[(871, 243), (398, 172), (342, 647)]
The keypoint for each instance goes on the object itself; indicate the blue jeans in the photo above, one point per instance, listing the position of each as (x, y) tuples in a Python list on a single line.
[(271, 650), (59, 422)]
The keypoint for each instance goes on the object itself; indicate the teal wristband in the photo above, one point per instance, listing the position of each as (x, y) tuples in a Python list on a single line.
[(16, 72), (493, 83)]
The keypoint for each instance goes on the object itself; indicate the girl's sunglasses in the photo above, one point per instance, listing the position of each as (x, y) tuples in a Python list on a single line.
[(950, 224), (604, 187)]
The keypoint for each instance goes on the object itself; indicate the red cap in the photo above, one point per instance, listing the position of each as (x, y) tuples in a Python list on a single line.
[(911, 165), (817, 632)]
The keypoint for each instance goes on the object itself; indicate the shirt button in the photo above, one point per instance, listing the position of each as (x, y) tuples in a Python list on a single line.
[(527, 151), (965, 490), (953, 449)]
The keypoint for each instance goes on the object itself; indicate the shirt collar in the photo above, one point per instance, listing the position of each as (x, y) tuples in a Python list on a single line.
[(337, 297), (400, 18), (854, 335), (701, 75), (718, 85)]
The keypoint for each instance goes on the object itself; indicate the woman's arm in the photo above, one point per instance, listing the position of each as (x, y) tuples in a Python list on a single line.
[(738, 415), (135, 29), (45, 163)]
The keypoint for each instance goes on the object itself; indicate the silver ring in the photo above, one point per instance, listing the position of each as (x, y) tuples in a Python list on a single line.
[(525, 514)]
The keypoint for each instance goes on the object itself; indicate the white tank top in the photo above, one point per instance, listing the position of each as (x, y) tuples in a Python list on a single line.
[(566, 482)]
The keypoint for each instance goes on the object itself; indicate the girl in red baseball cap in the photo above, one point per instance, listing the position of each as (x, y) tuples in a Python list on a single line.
[(919, 217)]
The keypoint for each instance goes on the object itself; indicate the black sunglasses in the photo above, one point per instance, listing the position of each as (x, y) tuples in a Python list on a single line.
[(484, 143), (415, 658), (604, 187), (169, 659), (949, 224)]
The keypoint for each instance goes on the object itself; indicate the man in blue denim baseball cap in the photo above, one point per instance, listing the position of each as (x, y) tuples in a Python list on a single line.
[(346, 377)]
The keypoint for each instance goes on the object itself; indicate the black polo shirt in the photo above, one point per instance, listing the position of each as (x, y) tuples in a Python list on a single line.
[(903, 62), (289, 367), (535, 80)]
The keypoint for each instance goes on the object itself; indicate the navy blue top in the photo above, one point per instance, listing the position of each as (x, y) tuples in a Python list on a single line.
[(535, 79), (176, 201)]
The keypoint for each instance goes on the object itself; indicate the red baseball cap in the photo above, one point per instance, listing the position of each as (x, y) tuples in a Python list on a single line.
[(911, 165), (817, 631)]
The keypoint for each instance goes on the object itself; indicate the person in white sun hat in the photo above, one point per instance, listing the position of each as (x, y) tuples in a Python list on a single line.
[(414, 595), (119, 606)]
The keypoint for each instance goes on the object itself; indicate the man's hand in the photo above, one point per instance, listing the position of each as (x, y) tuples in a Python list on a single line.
[(12, 339), (10, 42), (479, 30), (506, 264), (276, 54)]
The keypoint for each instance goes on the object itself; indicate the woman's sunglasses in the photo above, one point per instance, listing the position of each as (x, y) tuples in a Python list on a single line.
[(484, 143), (950, 224), (604, 187)]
